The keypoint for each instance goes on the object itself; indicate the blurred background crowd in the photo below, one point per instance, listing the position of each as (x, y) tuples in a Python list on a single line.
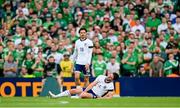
[(134, 38)]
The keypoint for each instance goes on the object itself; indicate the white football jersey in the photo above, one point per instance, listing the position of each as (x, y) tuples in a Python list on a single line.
[(83, 52), (102, 87)]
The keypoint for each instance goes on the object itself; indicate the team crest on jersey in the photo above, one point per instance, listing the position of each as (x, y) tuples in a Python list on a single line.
[(104, 87), (85, 44)]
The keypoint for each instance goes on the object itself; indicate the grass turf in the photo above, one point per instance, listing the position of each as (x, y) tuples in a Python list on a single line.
[(89, 103)]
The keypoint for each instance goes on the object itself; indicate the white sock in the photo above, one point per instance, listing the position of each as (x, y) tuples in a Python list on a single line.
[(78, 87), (65, 93), (61, 89)]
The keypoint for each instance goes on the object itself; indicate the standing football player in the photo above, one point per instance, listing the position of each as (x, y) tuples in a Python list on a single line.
[(82, 57)]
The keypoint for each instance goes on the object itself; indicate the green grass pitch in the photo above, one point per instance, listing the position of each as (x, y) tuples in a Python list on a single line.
[(45, 102)]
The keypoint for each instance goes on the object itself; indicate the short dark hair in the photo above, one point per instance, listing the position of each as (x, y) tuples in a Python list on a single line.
[(50, 57), (100, 54), (113, 58), (116, 76), (82, 29)]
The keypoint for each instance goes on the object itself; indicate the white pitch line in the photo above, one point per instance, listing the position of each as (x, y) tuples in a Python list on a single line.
[(63, 102)]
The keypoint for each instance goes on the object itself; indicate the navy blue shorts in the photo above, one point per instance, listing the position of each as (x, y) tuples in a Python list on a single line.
[(81, 68), (91, 92)]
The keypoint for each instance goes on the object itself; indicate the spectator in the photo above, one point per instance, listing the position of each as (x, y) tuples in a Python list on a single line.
[(21, 17), (163, 26), (171, 65), (34, 19), (156, 67), (129, 63), (177, 58), (177, 25), (1, 61), (146, 57), (38, 67), (153, 22), (10, 67), (25, 73), (33, 49), (113, 66), (48, 22), (138, 26), (51, 68), (162, 55), (23, 8), (66, 66), (142, 72), (170, 45), (163, 42), (28, 62), (114, 54), (99, 66), (20, 55), (53, 52), (139, 8)]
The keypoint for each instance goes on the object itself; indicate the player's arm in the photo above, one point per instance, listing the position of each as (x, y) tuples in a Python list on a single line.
[(85, 92), (109, 95), (90, 51), (90, 86), (93, 73), (72, 67), (75, 53)]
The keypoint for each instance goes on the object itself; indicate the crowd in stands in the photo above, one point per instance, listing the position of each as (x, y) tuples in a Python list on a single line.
[(134, 38)]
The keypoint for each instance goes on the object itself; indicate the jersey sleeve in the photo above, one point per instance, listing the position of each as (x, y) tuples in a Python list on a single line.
[(98, 78)]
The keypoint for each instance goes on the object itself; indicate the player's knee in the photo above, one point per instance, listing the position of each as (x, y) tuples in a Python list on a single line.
[(73, 90), (76, 75), (86, 80), (82, 95), (77, 79)]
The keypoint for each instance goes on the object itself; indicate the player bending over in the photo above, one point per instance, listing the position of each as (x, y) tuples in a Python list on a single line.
[(101, 87)]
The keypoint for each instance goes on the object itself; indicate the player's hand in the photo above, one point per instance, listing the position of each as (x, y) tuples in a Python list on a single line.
[(87, 67)]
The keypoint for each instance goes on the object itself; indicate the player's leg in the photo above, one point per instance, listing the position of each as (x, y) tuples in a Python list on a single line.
[(89, 94), (77, 78), (66, 93), (86, 95), (60, 82), (77, 75), (86, 76), (86, 81)]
